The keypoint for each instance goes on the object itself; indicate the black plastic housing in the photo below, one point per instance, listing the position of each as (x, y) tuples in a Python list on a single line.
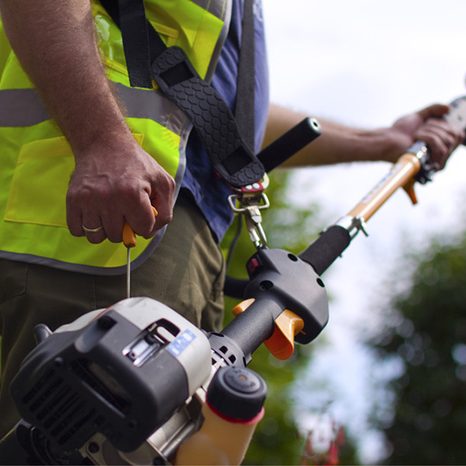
[(279, 280), (77, 383)]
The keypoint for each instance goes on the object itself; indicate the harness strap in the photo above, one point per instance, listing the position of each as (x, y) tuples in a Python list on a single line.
[(245, 104), (230, 150)]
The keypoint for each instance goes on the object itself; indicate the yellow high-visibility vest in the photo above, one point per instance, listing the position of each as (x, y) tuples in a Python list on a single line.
[(37, 161)]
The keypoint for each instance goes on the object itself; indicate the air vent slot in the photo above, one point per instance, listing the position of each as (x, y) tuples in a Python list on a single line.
[(103, 383)]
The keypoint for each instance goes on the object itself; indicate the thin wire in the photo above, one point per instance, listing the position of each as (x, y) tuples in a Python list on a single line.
[(234, 241), (128, 272)]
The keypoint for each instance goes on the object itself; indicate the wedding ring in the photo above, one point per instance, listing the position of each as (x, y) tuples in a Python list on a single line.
[(91, 230)]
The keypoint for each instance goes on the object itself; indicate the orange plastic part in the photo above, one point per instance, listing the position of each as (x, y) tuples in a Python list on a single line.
[(281, 343), (129, 237), (401, 175), (409, 188), (242, 306)]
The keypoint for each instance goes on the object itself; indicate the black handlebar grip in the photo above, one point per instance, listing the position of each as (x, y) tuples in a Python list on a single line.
[(328, 247), (289, 143), (253, 326)]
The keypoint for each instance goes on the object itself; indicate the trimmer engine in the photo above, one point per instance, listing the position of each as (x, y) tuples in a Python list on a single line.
[(121, 372)]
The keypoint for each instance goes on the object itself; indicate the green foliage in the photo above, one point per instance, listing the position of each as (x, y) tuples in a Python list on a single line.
[(427, 423), (276, 440)]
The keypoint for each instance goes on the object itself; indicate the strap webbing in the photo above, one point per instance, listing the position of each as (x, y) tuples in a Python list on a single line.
[(133, 23), (245, 105), (231, 152), (130, 16)]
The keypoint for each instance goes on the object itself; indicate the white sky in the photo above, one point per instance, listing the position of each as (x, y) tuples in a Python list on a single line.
[(365, 63)]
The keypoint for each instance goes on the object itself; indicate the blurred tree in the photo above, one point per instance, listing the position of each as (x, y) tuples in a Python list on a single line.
[(426, 423)]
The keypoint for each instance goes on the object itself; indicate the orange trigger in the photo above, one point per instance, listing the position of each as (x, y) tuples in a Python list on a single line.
[(409, 188), (281, 343)]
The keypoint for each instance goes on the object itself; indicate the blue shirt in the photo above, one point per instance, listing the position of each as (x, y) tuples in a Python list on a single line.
[(210, 192)]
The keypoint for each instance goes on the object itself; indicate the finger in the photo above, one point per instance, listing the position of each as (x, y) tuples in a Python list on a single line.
[(157, 225), (164, 215), (113, 225), (73, 218), (456, 132), (438, 149), (93, 229), (162, 197), (141, 219), (433, 111), (443, 130)]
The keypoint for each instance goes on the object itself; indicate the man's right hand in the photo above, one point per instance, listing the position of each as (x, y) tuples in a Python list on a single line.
[(116, 183)]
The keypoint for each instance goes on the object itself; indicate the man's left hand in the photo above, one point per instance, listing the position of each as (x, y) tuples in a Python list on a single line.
[(427, 125)]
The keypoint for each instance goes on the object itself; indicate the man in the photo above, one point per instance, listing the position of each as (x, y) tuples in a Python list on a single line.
[(58, 262)]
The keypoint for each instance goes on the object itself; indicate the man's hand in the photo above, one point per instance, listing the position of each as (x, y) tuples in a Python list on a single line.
[(115, 184), (427, 125)]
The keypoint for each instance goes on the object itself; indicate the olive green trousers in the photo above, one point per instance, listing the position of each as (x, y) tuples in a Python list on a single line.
[(186, 272)]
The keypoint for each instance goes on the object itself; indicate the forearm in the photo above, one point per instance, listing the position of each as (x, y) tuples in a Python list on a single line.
[(337, 143), (55, 43)]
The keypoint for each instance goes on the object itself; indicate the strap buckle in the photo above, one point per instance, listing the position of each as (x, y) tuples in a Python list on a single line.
[(249, 200)]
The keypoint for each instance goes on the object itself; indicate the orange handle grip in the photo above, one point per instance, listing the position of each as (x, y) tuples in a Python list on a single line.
[(129, 237), (400, 176)]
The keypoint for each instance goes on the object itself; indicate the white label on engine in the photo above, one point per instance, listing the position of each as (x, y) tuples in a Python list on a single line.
[(181, 342)]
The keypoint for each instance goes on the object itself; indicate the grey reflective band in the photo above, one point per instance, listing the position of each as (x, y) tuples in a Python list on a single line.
[(217, 8), (87, 269), (24, 107), (21, 107), (147, 103), (222, 11)]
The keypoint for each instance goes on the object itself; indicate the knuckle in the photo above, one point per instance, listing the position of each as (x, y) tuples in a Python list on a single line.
[(127, 187), (165, 219), (169, 217), (171, 184)]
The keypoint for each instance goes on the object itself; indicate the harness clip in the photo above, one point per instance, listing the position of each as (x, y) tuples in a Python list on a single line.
[(249, 201)]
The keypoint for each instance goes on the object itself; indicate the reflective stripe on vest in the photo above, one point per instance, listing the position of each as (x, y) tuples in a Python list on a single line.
[(37, 161)]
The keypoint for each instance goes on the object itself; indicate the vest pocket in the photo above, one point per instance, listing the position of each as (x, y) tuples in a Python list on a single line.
[(40, 182)]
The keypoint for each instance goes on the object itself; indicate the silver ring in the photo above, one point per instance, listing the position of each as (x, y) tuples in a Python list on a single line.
[(91, 230)]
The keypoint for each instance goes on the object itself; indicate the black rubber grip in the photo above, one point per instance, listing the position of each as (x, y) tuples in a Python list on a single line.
[(253, 326), (328, 247), (289, 143), (210, 115)]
